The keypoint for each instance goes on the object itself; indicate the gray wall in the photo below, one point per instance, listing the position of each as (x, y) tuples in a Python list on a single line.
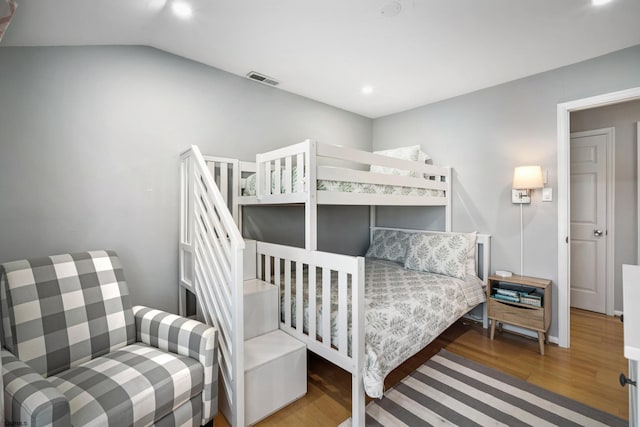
[(485, 134), (623, 118), (90, 139)]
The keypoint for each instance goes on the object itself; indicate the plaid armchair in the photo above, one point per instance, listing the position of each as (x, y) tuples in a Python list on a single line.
[(74, 351)]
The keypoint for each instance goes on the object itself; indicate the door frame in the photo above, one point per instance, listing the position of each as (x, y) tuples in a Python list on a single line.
[(638, 190), (563, 111), (610, 213)]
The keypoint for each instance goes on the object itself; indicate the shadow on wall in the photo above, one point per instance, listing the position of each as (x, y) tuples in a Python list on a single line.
[(341, 229), (464, 202)]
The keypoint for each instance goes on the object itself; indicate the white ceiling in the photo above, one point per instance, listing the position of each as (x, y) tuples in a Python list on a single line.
[(328, 50)]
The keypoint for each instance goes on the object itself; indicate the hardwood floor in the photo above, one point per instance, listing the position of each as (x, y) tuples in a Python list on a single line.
[(587, 372)]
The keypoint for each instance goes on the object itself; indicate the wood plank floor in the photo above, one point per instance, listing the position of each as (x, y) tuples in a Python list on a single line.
[(587, 372)]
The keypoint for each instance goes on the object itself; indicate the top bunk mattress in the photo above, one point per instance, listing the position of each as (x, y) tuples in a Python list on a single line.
[(347, 187)]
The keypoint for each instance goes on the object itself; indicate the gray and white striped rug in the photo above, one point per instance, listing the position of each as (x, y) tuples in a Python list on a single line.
[(451, 390)]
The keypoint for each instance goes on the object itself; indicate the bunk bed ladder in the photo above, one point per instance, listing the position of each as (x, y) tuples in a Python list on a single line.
[(211, 267)]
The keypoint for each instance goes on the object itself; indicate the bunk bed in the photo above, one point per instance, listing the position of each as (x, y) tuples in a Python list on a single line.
[(404, 305), (313, 173), (369, 334)]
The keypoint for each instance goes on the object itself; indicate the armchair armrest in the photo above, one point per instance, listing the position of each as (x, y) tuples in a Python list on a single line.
[(29, 398), (186, 337)]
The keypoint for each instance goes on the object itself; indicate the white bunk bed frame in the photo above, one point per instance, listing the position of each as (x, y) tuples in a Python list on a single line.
[(211, 267), (317, 161), (350, 272)]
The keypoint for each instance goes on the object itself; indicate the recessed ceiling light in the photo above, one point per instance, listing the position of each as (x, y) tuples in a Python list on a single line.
[(599, 2), (391, 9), (367, 89), (182, 9)]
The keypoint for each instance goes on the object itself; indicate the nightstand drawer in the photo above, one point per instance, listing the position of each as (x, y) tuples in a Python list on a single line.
[(532, 318)]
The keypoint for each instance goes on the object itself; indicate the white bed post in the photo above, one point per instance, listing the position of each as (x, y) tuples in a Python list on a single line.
[(311, 204), (357, 347), (485, 240), (260, 177), (447, 208), (372, 222), (235, 191)]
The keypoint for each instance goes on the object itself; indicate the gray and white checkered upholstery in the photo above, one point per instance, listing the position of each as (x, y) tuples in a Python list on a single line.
[(77, 355), (186, 337), (133, 386), (188, 414), (29, 398), (66, 309)]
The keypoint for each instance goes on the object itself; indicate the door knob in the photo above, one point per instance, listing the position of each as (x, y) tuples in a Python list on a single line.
[(624, 380), (597, 233)]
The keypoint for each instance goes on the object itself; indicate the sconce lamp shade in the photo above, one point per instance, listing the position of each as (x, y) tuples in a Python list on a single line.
[(527, 177)]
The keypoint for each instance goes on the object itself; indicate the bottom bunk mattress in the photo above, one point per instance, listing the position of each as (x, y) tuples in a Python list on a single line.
[(404, 311)]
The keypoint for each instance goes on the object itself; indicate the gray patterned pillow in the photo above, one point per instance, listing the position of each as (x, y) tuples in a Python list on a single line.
[(441, 254), (470, 264), (389, 244)]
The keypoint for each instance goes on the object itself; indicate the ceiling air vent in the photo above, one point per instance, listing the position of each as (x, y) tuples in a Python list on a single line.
[(262, 78)]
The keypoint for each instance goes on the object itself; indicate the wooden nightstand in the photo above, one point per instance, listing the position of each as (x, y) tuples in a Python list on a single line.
[(516, 313)]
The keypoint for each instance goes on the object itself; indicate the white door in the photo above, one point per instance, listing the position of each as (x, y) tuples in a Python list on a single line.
[(588, 170)]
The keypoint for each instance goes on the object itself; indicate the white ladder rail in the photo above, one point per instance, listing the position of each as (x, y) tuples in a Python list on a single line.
[(211, 256)]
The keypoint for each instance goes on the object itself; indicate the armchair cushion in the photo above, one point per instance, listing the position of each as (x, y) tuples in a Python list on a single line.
[(135, 385), (64, 310), (185, 337), (29, 398)]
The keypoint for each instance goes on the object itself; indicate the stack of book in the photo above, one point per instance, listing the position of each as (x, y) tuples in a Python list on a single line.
[(531, 299), (507, 295), (523, 296)]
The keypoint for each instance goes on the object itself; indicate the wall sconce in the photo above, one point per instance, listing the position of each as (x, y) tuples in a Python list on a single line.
[(525, 178)]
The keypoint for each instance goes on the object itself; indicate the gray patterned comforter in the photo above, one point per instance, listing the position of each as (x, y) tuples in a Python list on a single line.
[(404, 311)]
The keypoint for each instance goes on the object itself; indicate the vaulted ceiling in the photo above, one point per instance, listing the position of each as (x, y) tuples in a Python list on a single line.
[(410, 52)]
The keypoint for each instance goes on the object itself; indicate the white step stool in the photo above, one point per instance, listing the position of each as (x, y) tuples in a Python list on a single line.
[(260, 308), (275, 364), (275, 374)]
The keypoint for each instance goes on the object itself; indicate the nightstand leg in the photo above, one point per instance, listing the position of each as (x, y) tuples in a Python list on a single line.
[(493, 327), (541, 342)]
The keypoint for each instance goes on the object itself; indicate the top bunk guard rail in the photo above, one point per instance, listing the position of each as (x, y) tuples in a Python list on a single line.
[(210, 263), (301, 164), (285, 160), (437, 173)]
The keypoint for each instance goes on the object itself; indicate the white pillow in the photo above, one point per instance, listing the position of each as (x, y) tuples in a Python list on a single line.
[(412, 153), (423, 157)]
